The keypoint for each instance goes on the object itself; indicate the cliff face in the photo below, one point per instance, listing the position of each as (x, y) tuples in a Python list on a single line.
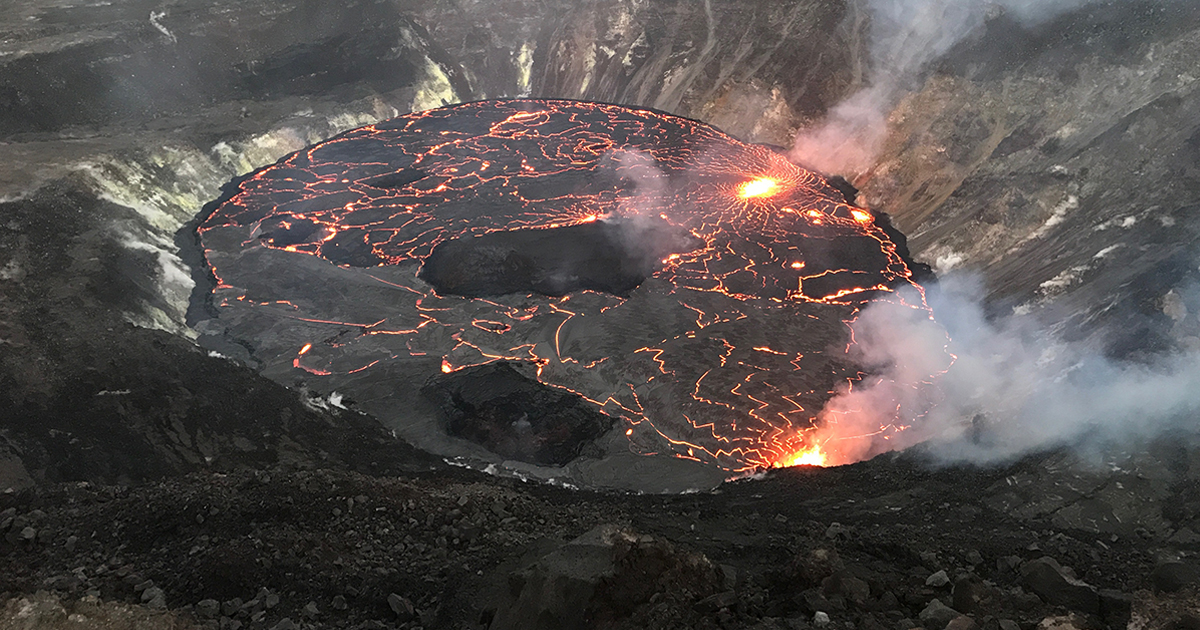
[(1060, 161), (1057, 158), (70, 65)]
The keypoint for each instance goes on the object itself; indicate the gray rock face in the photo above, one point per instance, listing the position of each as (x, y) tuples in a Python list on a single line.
[(1062, 172)]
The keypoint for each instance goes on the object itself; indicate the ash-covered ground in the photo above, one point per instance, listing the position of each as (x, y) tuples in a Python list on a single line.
[(154, 484)]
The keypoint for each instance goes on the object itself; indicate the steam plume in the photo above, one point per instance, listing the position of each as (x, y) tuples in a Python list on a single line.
[(905, 35), (1013, 388)]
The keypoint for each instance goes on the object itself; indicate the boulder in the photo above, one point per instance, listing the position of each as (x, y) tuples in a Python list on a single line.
[(1169, 577), (936, 616), (848, 586), (968, 592), (402, 607), (208, 609), (1056, 586), (938, 580)]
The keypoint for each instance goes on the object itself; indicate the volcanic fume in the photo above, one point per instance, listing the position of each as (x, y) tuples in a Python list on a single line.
[(694, 292)]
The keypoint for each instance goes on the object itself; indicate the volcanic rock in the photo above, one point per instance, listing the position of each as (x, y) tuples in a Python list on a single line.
[(1115, 607), (1169, 577), (970, 593), (515, 416), (848, 586), (1184, 536), (937, 615), (155, 598), (962, 622), (717, 601), (938, 579), (812, 601), (1055, 585), (1008, 563), (603, 574), (208, 608), (401, 606), (1066, 622)]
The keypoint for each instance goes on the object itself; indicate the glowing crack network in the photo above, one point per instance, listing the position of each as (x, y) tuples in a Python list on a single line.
[(724, 353)]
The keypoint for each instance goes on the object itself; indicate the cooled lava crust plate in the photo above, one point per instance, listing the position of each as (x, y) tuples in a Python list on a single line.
[(696, 290)]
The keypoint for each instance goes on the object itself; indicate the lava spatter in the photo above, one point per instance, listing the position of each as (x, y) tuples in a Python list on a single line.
[(698, 288)]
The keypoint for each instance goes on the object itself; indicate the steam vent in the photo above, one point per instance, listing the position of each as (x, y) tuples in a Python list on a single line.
[(554, 282)]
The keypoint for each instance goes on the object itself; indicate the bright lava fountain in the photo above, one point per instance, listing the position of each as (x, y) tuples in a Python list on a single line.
[(698, 290)]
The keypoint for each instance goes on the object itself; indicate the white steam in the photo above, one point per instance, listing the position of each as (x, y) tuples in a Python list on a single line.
[(1014, 388), (905, 36)]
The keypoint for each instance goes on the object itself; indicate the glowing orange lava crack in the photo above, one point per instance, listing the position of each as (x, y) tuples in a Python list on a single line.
[(773, 240)]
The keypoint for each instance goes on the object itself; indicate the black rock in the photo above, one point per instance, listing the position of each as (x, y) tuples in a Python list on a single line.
[(1187, 621), (1169, 577), (962, 622), (1055, 586), (812, 601), (716, 602), (1115, 607), (968, 592), (937, 580), (937, 615), (402, 607), (1008, 563), (208, 609), (844, 584)]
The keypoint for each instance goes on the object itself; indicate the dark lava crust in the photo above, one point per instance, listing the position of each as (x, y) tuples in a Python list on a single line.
[(612, 257), (514, 415), (679, 280)]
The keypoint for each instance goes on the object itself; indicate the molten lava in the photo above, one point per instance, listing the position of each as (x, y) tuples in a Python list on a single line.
[(761, 187), (747, 271), (811, 456)]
